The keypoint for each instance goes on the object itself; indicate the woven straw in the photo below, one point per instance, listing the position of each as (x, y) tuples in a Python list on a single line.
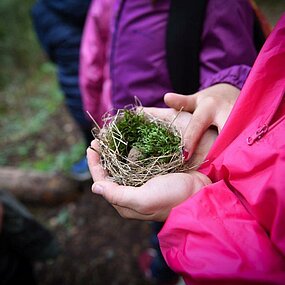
[(125, 171)]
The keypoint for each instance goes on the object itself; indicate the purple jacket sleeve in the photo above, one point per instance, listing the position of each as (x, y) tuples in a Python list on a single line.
[(227, 47)]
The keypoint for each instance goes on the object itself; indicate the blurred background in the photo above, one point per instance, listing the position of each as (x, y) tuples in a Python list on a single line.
[(38, 134)]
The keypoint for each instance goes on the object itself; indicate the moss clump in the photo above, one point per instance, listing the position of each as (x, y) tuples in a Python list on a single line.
[(150, 138)]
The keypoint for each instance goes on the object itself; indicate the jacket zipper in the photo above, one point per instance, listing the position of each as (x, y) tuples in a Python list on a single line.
[(261, 131), (264, 128)]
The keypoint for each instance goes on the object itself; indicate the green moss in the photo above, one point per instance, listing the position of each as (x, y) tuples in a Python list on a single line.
[(150, 138)]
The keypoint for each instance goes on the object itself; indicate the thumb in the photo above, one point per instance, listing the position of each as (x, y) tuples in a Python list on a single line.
[(177, 101), (124, 196), (101, 187), (196, 128)]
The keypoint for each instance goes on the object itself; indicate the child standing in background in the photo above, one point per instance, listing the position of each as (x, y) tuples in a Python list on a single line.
[(59, 26)]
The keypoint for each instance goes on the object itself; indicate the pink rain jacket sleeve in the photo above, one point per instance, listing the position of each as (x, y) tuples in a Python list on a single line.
[(94, 76), (233, 231)]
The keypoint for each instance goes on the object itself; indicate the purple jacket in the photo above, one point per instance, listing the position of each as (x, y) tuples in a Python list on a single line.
[(138, 56)]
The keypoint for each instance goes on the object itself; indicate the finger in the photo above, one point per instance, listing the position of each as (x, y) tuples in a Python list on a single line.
[(123, 196), (121, 199), (133, 214), (221, 119), (165, 114), (175, 118), (128, 213), (177, 101), (195, 130), (94, 163)]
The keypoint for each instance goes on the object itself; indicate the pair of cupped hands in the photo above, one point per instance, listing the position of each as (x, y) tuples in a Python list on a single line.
[(154, 200)]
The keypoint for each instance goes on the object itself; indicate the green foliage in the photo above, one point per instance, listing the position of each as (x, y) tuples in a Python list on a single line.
[(127, 128), (19, 49), (272, 9), (60, 161), (63, 219), (27, 105), (149, 137), (29, 97), (155, 140)]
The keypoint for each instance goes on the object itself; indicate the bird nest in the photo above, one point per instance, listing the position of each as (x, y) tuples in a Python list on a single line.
[(135, 147)]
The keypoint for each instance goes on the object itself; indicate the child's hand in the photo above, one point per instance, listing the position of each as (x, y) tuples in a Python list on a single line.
[(151, 201), (210, 106)]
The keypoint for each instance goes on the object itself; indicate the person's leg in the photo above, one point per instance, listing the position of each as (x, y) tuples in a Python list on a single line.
[(159, 268), (68, 78), (68, 64), (60, 38), (152, 263), (79, 169)]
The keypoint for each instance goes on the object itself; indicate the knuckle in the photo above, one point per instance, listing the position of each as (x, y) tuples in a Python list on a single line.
[(210, 101)]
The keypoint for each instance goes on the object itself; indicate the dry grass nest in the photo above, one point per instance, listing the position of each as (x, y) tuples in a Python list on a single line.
[(135, 147)]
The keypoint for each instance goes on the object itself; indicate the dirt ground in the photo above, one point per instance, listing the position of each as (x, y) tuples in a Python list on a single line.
[(98, 246)]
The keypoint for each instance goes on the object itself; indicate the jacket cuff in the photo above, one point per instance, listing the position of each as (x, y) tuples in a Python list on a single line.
[(235, 75)]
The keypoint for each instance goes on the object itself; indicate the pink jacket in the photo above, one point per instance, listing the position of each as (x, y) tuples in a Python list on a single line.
[(94, 63), (233, 231)]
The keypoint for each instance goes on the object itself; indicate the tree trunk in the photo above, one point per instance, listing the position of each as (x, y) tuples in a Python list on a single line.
[(38, 187)]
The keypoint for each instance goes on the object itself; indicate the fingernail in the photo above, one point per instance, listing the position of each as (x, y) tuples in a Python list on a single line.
[(186, 154), (97, 189)]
